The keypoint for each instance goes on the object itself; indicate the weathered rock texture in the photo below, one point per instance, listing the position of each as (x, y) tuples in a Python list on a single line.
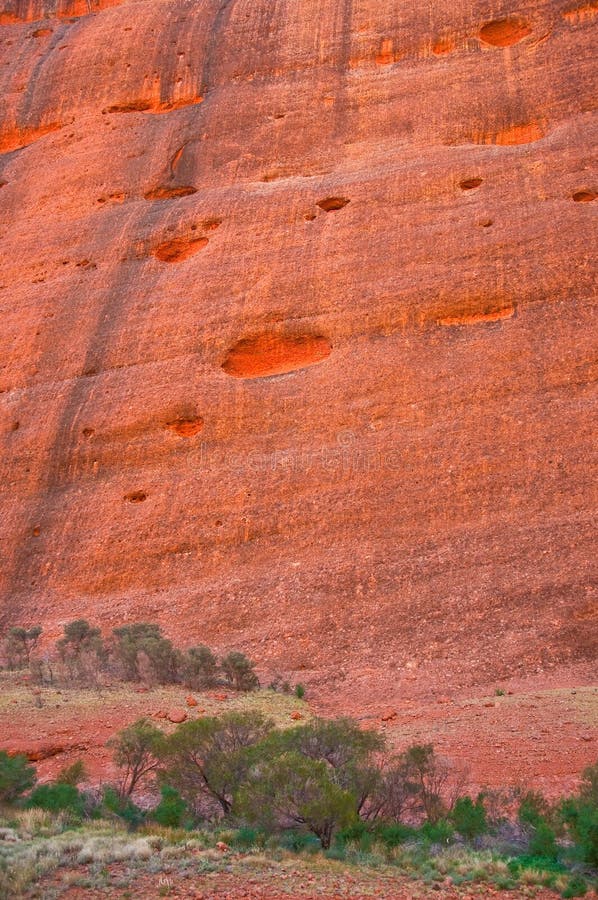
[(296, 344)]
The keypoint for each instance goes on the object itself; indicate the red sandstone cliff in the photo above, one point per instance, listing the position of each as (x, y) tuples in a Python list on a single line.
[(297, 350)]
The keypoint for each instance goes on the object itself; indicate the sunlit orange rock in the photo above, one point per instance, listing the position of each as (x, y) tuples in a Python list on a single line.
[(297, 343)]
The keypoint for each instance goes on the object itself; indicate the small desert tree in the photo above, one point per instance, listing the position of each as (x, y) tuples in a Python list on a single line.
[(41, 670), (469, 818), (396, 796), (200, 667), (347, 749), (240, 671), (81, 652), (206, 759), (136, 751), (19, 644), (421, 782), (293, 791), (141, 652)]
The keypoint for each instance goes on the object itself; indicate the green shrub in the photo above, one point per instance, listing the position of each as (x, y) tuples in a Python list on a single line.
[(395, 833), (299, 842), (543, 841), (294, 789), (419, 780), (240, 672), (541, 863), (440, 832), (200, 667), (504, 883), (299, 691), (588, 790), (582, 818), (81, 652), (469, 818), (19, 644), (142, 653), (207, 759), (576, 887), (73, 774), (533, 809), (353, 832), (246, 837), (57, 797), (136, 752), (16, 776), (124, 808), (172, 810)]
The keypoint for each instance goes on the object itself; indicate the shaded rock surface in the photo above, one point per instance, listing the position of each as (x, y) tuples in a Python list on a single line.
[(378, 217)]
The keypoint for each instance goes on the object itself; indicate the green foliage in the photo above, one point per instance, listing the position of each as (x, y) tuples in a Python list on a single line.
[(588, 789), (113, 803), (81, 652), (344, 747), (136, 751), (172, 810), (200, 667), (73, 774), (207, 759), (247, 837), (541, 863), (355, 832), (395, 833), (142, 653), (294, 790), (79, 635), (240, 671), (19, 644), (16, 776), (576, 887), (533, 809), (56, 797), (438, 832), (469, 818), (339, 742), (299, 841), (299, 691), (543, 841), (581, 816)]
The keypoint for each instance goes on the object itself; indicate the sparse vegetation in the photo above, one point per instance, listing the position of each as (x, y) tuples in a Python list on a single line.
[(57, 797), (240, 672), (208, 759), (142, 654), (16, 776), (200, 668), (245, 779), (137, 751), (138, 653), (469, 818), (19, 644)]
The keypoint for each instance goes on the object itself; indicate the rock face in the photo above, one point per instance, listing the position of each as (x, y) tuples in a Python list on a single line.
[(297, 348)]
